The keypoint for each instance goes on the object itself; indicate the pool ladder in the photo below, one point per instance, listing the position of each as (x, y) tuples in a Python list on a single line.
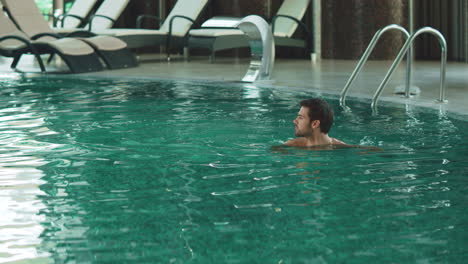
[(405, 49)]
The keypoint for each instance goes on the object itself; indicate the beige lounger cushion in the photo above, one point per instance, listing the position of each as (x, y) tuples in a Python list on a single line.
[(7, 28), (105, 43), (11, 44), (285, 27), (215, 32), (109, 8), (188, 8), (79, 8), (65, 30), (136, 38), (65, 45), (116, 32), (69, 46), (31, 22), (25, 15)]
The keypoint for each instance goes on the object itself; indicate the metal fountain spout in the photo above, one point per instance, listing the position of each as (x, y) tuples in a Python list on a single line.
[(262, 48)]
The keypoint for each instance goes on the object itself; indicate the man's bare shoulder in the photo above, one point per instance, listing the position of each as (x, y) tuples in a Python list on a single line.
[(337, 142), (296, 142), (302, 142)]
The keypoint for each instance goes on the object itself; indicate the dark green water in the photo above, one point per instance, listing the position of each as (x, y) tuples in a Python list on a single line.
[(144, 171)]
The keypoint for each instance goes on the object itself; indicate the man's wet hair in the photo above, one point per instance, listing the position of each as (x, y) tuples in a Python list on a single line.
[(319, 110)]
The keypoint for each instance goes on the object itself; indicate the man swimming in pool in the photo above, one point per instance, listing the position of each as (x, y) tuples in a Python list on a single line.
[(312, 125)]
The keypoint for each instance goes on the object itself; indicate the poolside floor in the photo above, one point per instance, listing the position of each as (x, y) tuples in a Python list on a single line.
[(324, 76)]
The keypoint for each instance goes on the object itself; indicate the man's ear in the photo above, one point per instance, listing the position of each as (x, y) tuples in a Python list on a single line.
[(315, 124)]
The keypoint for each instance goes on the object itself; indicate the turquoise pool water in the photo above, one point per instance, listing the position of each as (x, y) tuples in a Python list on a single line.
[(145, 171)]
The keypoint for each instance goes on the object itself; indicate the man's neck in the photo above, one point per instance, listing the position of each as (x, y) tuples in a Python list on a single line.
[(319, 139)]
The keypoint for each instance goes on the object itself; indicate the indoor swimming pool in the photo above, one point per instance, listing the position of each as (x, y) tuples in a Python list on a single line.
[(96, 170)]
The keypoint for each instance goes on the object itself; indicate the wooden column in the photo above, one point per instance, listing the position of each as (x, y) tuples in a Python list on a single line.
[(349, 25)]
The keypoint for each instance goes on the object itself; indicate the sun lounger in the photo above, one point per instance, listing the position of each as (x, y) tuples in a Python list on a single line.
[(76, 16), (284, 24), (28, 18), (104, 17), (173, 31), (78, 55)]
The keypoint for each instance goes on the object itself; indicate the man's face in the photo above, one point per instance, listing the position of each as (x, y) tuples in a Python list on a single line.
[(303, 125)]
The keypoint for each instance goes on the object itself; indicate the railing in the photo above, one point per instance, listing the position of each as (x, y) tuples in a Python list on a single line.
[(366, 54), (405, 48)]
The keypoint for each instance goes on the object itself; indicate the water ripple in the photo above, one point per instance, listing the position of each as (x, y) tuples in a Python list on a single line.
[(143, 171)]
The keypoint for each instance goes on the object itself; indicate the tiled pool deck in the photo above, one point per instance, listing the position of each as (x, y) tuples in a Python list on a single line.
[(326, 76)]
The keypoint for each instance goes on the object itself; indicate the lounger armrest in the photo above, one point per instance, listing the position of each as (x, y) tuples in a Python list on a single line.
[(101, 16), (140, 18), (309, 40), (25, 41), (21, 39), (40, 35), (31, 48), (171, 22), (62, 19)]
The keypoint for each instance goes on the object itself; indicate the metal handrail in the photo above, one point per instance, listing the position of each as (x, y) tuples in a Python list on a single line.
[(405, 48), (366, 54)]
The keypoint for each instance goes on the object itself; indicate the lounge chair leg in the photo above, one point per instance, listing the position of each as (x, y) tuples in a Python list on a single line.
[(51, 57), (38, 58), (84, 63), (212, 57), (186, 53), (41, 63), (118, 59), (15, 62)]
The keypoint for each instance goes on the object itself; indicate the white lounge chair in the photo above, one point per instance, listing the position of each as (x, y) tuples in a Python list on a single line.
[(28, 18), (173, 31), (78, 55), (75, 17), (284, 24), (104, 17)]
